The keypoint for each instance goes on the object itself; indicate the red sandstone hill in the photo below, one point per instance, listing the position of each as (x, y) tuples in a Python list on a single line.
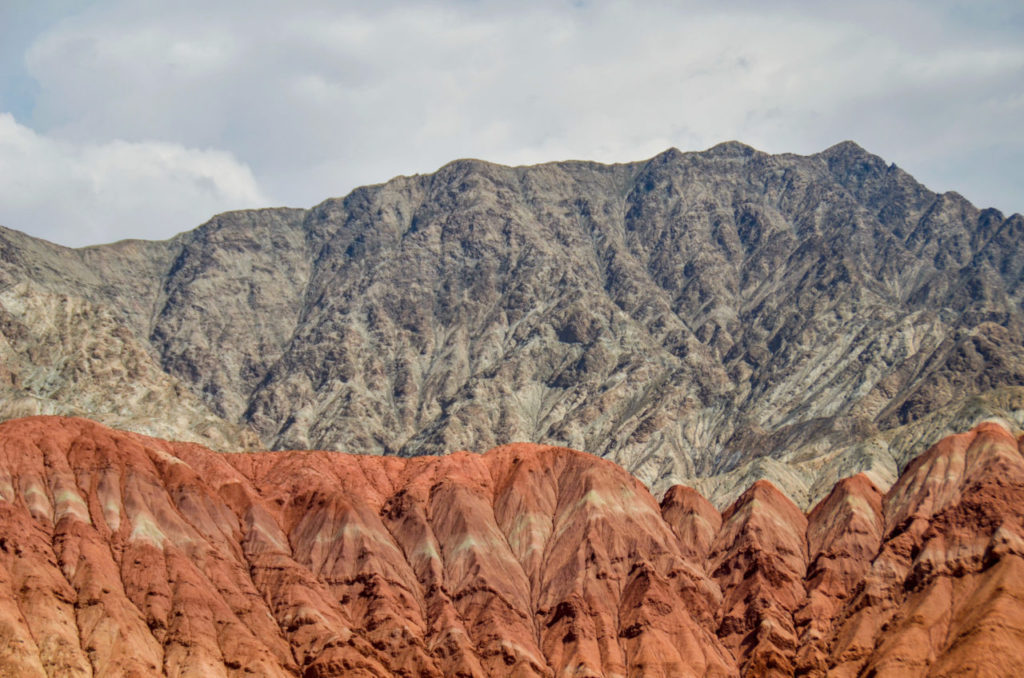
[(122, 555)]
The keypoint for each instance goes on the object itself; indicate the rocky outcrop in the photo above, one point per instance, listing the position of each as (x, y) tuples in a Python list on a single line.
[(122, 555), (760, 561), (943, 594), (710, 318), (844, 533), (61, 354)]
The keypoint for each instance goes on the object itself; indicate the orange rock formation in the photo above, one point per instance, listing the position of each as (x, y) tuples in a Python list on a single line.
[(122, 555)]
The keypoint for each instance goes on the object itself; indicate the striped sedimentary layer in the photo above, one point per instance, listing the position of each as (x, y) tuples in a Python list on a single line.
[(123, 555)]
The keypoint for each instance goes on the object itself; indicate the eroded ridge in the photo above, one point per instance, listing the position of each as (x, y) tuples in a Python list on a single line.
[(123, 555)]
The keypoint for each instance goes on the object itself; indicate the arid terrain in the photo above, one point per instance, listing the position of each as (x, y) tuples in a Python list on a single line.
[(707, 318), (123, 555)]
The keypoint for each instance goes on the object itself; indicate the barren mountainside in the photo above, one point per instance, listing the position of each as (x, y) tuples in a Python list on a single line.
[(123, 555), (711, 317)]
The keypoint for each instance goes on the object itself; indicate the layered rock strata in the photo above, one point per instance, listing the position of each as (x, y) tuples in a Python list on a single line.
[(122, 555)]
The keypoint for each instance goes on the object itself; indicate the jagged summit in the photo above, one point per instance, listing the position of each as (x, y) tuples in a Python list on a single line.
[(732, 149), (848, 149), (712, 317)]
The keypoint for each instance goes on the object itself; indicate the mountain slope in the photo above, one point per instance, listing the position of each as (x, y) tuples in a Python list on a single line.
[(697, 315), (127, 555)]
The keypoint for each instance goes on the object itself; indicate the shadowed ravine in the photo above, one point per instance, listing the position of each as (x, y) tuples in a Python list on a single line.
[(123, 555)]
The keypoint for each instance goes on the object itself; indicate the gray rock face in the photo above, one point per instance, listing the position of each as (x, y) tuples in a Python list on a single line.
[(68, 356), (697, 315)]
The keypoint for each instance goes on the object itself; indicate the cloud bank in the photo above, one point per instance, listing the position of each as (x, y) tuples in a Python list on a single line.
[(245, 105), (83, 194)]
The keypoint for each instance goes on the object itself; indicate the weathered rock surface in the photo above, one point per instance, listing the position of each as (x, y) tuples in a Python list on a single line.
[(61, 354), (713, 317), (122, 555), (760, 560)]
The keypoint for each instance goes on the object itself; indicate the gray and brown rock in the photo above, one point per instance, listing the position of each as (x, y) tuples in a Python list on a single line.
[(714, 318)]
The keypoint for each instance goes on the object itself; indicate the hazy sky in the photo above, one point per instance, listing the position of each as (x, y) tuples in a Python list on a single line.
[(142, 118)]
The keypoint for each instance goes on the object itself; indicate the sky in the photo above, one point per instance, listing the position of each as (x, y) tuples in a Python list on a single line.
[(143, 118)]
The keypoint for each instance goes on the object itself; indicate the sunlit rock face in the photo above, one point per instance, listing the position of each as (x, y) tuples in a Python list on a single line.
[(709, 318), (123, 555)]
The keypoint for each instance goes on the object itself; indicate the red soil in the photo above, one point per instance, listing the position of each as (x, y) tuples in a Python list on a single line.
[(122, 555)]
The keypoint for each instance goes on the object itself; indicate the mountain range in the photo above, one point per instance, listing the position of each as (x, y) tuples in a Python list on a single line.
[(706, 318), (807, 370)]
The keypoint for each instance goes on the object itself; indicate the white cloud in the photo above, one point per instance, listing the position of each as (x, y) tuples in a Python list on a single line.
[(79, 194), (319, 97)]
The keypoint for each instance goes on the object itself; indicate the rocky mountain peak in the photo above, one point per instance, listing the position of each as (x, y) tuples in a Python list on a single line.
[(849, 150), (732, 149), (713, 317)]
